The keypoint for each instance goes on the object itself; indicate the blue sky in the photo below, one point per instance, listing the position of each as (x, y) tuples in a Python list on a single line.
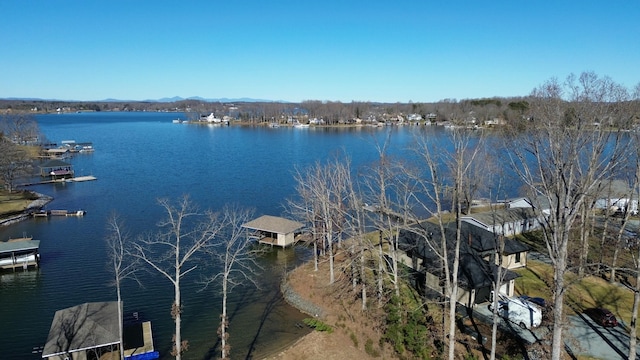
[(349, 50)]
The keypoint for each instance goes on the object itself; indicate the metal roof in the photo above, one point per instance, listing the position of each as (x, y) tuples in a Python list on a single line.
[(83, 327), (502, 216), (21, 245), (273, 224), (54, 163)]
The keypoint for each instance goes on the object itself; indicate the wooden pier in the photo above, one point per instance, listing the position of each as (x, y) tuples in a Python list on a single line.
[(56, 181), (146, 348), (47, 213)]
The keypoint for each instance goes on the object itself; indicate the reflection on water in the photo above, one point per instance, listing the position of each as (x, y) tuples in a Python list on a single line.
[(25, 279)]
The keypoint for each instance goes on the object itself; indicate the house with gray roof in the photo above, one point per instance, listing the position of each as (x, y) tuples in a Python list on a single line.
[(498, 249), (476, 273), (506, 222)]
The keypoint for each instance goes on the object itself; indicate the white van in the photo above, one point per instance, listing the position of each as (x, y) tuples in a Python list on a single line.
[(518, 311)]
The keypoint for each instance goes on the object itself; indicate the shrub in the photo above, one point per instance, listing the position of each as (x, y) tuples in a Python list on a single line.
[(354, 339), (368, 348), (407, 326), (318, 325)]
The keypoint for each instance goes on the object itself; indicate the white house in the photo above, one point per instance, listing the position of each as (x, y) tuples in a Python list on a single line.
[(506, 222), (615, 195)]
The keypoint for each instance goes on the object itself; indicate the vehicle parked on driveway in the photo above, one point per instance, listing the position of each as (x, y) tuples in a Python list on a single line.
[(535, 300), (526, 314), (602, 317)]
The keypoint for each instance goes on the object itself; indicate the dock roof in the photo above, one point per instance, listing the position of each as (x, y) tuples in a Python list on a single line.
[(54, 163), (273, 224), (83, 327), (21, 245)]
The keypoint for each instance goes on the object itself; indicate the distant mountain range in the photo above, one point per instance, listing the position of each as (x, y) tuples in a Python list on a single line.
[(225, 100), (171, 99)]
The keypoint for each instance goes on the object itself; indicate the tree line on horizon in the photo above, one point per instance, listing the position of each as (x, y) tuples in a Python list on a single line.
[(508, 109)]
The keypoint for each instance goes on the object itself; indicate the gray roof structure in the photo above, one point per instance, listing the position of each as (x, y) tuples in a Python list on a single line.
[(83, 327), (15, 246), (474, 272), (54, 163), (482, 240), (502, 216), (273, 224)]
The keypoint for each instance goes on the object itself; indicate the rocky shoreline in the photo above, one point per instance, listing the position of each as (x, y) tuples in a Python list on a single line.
[(35, 205), (294, 299)]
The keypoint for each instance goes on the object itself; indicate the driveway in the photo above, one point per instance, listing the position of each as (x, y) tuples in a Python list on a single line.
[(585, 337)]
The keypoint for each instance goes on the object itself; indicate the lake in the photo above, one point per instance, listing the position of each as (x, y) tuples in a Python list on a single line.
[(138, 158)]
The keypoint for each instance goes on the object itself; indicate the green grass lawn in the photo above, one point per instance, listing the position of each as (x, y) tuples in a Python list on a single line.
[(591, 291), (11, 203)]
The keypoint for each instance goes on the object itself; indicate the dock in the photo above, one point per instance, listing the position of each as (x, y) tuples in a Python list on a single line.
[(146, 351), (67, 180), (273, 230), (47, 213), (81, 331), (19, 253)]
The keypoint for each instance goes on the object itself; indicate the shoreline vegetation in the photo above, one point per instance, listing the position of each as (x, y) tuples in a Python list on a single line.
[(17, 206)]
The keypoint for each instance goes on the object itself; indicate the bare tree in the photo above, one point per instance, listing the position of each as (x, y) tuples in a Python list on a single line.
[(562, 157), (238, 257), (14, 163), (391, 185), (378, 182), (325, 194), (457, 163), (20, 128), (122, 266), (635, 246), (171, 251)]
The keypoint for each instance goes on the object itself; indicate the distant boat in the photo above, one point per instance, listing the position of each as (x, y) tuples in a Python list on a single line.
[(274, 125), (301, 126)]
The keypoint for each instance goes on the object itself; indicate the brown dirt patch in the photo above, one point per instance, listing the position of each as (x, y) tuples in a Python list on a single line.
[(352, 327)]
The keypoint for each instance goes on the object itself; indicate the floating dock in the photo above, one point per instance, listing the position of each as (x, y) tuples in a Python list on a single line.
[(47, 213), (74, 179)]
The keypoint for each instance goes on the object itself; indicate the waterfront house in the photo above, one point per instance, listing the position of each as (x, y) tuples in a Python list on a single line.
[(56, 169), (476, 275), (512, 253), (273, 230), (506, 222)]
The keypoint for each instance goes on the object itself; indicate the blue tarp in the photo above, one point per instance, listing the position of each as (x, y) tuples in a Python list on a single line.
[(146, 356)]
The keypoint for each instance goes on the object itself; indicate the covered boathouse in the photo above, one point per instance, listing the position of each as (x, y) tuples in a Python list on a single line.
[(56, 169), (91, 331), (19, 253), (273, 230)]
